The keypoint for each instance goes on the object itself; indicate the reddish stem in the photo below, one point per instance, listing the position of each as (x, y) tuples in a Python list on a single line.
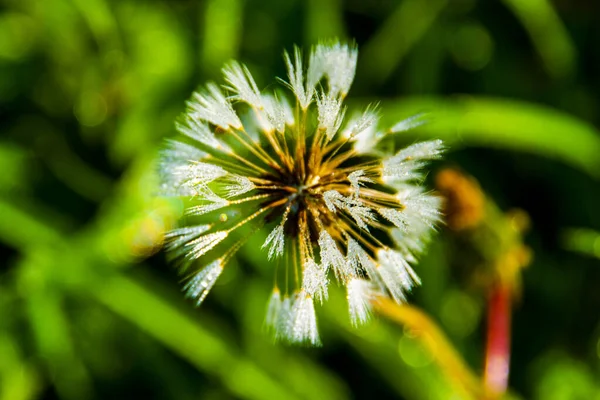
[(497, 356)]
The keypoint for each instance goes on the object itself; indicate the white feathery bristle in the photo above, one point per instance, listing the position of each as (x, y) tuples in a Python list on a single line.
[(362, 130), (241, 82), (200, 132), (236, 185), (411, 241), (360, 123), (180, 153), (201, 283), (420, 207), (356, 178), (273, 309), (408, 123), (173, 158), (181, 236), (333, 200), (332, 257), (303, 91), (275, 242), (214, 204), (358, 258), (392, 283), (360, 294), (285, 319), (395, 216), (406, 164), (408, 243), (212, 106), (362, 215), (331, 114), (288, 113), (304, 326), (396, 273), (205, 243), (396, 174), (338, 63), (352, 205), (274, 117), (194, 176), (429, 150), (314, 280)]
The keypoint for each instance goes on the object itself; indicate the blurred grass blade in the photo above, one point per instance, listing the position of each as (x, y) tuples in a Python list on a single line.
[(222, 27), (400, 32), (434, 339), (19, 379), (509, 124), (21, 230), (581, 240), (324, 20), (203, 349), (101, 22), (548, 34), (51, 329)]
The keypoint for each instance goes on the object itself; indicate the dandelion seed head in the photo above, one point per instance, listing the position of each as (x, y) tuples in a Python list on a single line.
[(287, 167)]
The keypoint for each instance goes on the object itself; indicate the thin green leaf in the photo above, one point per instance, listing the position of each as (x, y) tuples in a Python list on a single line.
[(501, 123)]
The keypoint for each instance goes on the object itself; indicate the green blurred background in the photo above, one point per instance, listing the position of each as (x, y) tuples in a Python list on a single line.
[(89, 307)]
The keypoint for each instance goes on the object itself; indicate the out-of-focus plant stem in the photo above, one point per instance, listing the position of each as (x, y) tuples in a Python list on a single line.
[(497, 355), (432, 337)]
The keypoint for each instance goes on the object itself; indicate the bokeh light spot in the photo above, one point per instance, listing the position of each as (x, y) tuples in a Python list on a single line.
[(460, 313), (413, 353), (91, 109), (17, 35), (472, 47)]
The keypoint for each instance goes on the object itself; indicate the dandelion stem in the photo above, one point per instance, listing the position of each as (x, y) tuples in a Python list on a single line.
[(497, 356), (432, 337)]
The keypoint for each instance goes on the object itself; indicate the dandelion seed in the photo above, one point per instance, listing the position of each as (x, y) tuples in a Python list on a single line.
[(198, 287), (212, 106), (356, 178), (275, 242), (273, 309), (314, 280), (360, 294), (362, 129), (237, 185), (285, 320), (175, 156), (242, 83), (200, 246), (304, 326), (407, 164), (278, 114), (326, 199), (408, 123), (304, 91), (331, 114), (332, 257), (181, 236), (338, 63), (396, 273), (199, 131)]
